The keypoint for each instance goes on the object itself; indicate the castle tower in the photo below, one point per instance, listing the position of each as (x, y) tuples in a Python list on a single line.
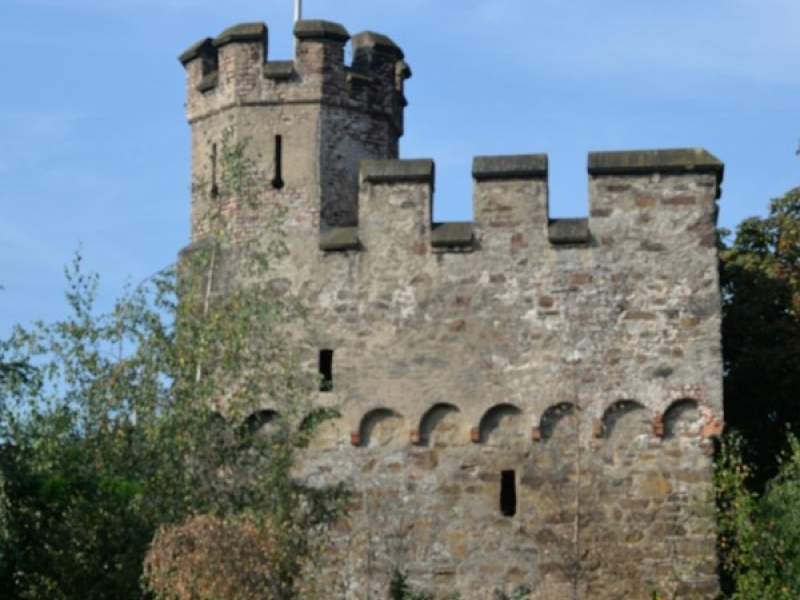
[(309, 122), (524, 402)]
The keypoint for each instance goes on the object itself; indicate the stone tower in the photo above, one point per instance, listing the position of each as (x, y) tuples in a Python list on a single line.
[(309, 121), (524, 402)]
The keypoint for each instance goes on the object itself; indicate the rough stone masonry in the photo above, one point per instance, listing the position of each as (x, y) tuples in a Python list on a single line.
[(523, 401)]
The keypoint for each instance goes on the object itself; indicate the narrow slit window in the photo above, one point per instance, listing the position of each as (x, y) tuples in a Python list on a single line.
[(277, 180), (214, 186), (508, 493), (326, 370)]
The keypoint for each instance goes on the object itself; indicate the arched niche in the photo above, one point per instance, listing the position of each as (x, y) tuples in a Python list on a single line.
[(322, 429), (257, 429), (559, 421), (683, 419), (382, 427), (440, 427), (261, 422), (502, 425), (626, 420), (554, 458)]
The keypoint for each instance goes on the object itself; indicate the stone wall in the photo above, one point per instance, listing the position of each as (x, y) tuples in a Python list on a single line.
[(522, 401)]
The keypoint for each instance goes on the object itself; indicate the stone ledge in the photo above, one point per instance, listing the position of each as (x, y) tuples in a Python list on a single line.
[(356, 76), (244, 32), (452, 235), (521, 166), (196, 50), (646, 161), (403, 71), (568, 231), (321, 31), (279, 69), (376, 42), (339, 239), (208, 82), (388, 171)]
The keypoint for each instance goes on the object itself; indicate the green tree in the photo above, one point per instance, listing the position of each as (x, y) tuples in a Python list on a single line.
[(11, 370), (761, 332), (21, 373), (145, 432), (759, 533)]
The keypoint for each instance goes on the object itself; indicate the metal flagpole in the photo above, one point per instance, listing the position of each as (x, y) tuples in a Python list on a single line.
[(298, 14)]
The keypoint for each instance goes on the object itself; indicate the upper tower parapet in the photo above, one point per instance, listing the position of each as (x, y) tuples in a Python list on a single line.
[(234, 68), (309, 121)]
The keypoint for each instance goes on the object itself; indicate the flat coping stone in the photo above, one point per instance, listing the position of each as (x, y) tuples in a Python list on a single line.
[(338, 239), (451, 235), (208, 82), (376, 42), (519, 166), (568, 231), (279, 69), (320, 30), (387, 171), (196, 50), (647, 161), (244, 32)]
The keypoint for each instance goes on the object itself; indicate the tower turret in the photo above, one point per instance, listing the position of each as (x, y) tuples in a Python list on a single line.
[(308, 122)]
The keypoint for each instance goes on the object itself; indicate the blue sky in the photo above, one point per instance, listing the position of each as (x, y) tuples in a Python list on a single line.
[(94, 147)]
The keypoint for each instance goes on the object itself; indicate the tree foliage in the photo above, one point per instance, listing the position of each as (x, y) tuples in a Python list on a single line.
[(144, 430), (759, 533), (242, 556), (758, 469), (761, 331)]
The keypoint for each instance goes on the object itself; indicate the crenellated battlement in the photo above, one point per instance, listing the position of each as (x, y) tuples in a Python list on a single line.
[(520, 400), (627, 190), (233, 69)]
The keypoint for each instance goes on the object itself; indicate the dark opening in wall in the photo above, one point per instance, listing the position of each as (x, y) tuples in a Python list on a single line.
[(214, 186), (326, 370), (508, 493), (277, 180)]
